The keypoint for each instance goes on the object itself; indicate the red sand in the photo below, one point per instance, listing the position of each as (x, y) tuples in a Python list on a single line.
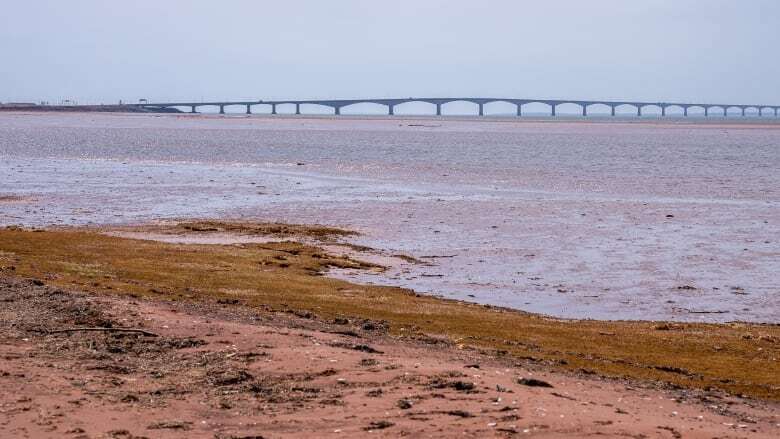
[(276, 375)]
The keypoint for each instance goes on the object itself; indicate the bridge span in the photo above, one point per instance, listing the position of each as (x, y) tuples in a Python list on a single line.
[(338, 104)]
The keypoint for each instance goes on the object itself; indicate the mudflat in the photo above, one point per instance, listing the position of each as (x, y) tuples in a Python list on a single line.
[(602, 219)]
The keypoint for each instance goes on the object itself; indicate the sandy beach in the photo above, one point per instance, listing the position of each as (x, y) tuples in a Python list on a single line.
[(216, 370), (106, 334)]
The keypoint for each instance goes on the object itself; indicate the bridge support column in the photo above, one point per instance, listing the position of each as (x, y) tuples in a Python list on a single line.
[(663, 111), (685, 111), (760, 112), (297, 108), (775, 112), (273, 108), (438, 109), (248, 109), (725, 112), (613, 111), (390, 109), (552, 110), (706, 111), (519, 110), (481, 109), (192, 109), (584, 111), (337, 110), (743, 112), (639, 111), (221, 109)]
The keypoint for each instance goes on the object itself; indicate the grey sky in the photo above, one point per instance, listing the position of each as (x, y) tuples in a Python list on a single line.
[(102, 51)]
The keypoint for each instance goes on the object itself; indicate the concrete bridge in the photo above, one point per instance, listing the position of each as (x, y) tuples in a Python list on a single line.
[(338, 104)]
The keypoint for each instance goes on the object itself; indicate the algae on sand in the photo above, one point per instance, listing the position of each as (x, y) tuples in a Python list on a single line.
[(287, 276)]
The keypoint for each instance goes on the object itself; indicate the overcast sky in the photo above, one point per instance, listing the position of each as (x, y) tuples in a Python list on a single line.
[(102, 51)]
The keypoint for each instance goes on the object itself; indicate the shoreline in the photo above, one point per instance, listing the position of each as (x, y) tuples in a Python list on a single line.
[(238, 332), (168, 231), (733, 122), (691, 355)]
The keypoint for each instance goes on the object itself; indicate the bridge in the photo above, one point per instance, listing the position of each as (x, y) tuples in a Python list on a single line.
[(338, 104)]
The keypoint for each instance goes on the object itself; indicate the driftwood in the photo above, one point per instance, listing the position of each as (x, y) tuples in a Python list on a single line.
[(136, 331)]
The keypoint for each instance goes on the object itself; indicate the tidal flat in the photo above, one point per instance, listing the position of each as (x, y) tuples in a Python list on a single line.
[(599, 218)]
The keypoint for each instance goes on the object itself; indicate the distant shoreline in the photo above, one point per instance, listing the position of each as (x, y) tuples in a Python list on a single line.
[(82, 109), (671, 120)]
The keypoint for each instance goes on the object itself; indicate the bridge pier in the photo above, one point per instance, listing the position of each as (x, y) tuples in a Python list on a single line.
[(192, 109), (706, 111), (743, 112), (248, 109), (438, 109), (337, 110), (297, 108), (481, 109), (390, 109), (273, 108), (639, 111), (775, 112), (663, 111), (221, 109), (519, 110), (552, 110), (685, 111), (584, 110), (613, 110), (725, 112), (760, 112)]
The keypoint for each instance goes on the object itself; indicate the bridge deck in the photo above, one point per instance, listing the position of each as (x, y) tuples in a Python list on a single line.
[(338, 104)]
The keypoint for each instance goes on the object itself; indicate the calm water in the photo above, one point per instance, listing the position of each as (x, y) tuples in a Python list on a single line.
[(571, 218)]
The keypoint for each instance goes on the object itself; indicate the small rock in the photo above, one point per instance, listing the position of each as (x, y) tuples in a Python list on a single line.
[(533, 382), (460, 413), (463, 386), (375, 393), (378, 425), (404, 404), (368, 362), (172, 425)]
